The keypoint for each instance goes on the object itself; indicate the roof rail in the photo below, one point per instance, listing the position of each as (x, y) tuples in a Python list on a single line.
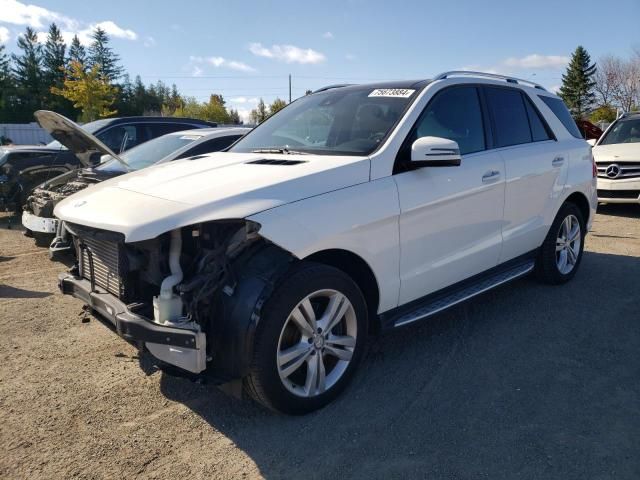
[(462, 73), (329, 87)]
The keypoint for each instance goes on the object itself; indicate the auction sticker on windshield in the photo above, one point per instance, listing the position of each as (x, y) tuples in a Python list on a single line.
[(392, 92)]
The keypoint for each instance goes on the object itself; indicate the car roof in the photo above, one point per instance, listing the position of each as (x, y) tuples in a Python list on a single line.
[(213, 132), (143, 119)]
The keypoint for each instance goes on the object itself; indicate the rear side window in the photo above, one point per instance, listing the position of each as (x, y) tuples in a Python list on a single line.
[(560, 110), (159, 129), (539, 130), (509, 115), (213, 145), (455, 114)]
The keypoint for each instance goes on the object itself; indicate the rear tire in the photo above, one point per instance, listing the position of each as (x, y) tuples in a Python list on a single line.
[(561, 253), (309, 340)]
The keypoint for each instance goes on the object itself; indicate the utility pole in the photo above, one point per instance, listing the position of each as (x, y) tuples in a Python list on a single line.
[(289, 88)]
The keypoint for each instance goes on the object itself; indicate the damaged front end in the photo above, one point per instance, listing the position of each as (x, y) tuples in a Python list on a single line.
[(37, 214), (191, 297)]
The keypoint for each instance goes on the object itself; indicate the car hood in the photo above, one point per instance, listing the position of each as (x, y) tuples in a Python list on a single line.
[(618, 152), (154, 200), (71, 135)]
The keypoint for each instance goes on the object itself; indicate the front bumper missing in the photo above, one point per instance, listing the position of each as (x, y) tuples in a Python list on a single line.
[(39, 224), (180, 347)]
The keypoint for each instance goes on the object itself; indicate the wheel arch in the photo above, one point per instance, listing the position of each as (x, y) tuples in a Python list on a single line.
[(580, 200), (359, 271)]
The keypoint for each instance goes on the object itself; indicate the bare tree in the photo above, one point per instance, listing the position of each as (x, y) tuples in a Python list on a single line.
[(618, 81), (627, 95), (607, 79)]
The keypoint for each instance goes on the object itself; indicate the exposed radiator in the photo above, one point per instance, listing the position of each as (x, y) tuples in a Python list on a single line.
[(106, 264)]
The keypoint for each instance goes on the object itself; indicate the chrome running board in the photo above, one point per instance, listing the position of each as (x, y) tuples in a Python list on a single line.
[(439, 302)]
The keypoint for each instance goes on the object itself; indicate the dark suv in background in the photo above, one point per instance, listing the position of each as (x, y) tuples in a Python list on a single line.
[(24, 167)]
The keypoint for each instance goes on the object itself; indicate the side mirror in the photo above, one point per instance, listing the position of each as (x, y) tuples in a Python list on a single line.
[(592, 142), (435, 152)]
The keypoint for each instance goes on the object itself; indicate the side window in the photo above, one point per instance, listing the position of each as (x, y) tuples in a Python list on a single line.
[(119, 138), (539, 130), (454, 113), (510, 120), (159, 129), (560, 110), (213, 145)]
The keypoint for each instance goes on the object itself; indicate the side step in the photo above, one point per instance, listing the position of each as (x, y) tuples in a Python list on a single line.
[(449, 297)]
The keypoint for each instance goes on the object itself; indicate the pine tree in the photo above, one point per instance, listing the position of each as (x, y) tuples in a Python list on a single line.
[(53, 70), (100, 53), (578, 84), (27, 71), (77, 52), (6, 85), (234, 117)]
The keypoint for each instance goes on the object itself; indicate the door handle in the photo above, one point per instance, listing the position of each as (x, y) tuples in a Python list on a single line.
[(490, 176), (558, 161)]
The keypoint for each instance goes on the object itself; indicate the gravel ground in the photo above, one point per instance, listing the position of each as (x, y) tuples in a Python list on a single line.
[(527, 381)]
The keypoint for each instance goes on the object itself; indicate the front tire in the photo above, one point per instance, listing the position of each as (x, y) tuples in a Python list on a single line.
[(561, 253), (309, 341)]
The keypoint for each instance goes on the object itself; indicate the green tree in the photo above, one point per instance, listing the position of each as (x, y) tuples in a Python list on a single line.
[(277, 105), (77, 52), (6, 85), (260, 113), (89, 90), (234, 117), (605, 113), (27, 72), (100, 53), (53, 70), (578, 84)]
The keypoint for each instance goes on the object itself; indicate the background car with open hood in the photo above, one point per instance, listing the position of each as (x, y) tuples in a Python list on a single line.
[(24, 167)]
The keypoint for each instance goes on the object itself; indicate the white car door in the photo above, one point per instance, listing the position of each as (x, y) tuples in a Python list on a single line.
[(535, 169), (451, 217)]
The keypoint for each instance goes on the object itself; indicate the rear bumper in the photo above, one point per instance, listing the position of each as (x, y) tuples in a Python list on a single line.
[(39, 224), (180, 347)]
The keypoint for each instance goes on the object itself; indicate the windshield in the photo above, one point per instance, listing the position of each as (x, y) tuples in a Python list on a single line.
[(624, 131), (150, 152), (340, 121), (91, 127)]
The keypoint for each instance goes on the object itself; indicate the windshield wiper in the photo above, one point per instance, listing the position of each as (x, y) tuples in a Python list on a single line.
[(283, 150)]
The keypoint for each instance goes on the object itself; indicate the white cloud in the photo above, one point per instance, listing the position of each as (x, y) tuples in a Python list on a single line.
[(287, 53), (350, 56), (327, 35), (114, 30), (221, 62), (4, 35), (18, 13), (196, 72), (537, 61), (243, 100), (149, 42)]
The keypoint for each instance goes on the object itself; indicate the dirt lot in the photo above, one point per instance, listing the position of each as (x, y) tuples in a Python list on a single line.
[(527, 381)]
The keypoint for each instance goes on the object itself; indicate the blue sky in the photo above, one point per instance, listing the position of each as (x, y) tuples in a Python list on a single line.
[(246, 49)]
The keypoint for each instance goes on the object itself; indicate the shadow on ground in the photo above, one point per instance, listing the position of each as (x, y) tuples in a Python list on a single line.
[(11, 292), (526, 381), (620, 210)]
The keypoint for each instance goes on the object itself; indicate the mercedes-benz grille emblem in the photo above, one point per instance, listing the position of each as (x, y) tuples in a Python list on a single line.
[(612, 171)]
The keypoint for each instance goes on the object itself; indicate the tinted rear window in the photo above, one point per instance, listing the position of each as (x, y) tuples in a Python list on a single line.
[(509, 116), (539, 130), (560, 110)]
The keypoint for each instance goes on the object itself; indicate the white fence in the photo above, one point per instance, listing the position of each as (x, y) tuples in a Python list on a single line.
[(24, 133)]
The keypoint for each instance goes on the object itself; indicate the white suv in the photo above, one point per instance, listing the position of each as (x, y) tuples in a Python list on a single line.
[(353, 210), (617, 155)]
